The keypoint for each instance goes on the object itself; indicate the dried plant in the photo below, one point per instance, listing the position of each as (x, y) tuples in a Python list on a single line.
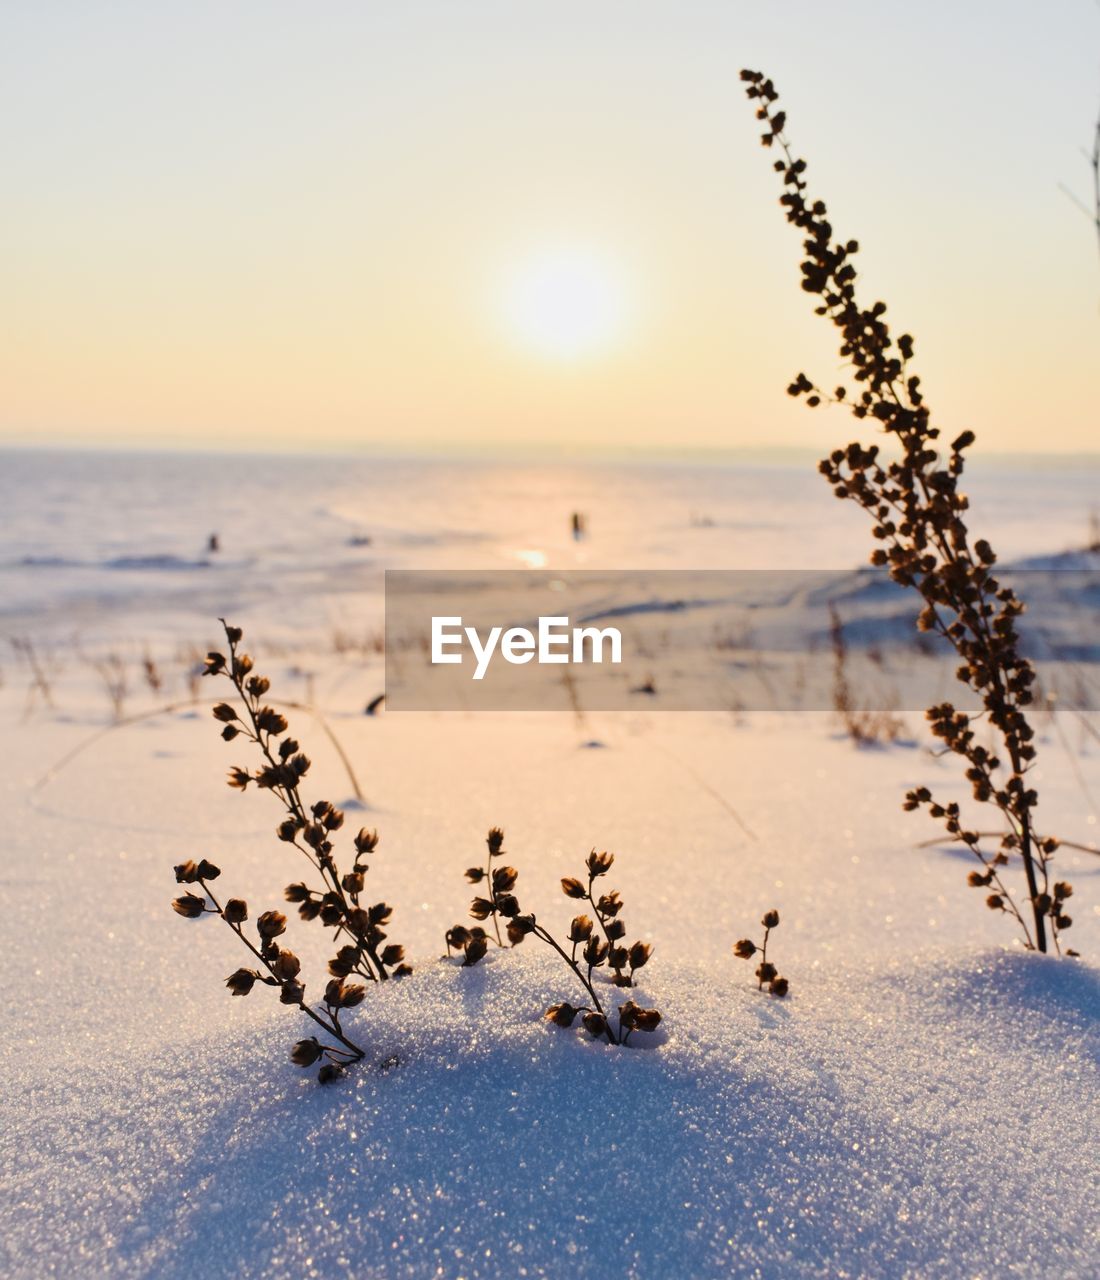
[(41, 668), (766, 972), (335, 898), (595, 951), (499, 883), (113, 674), (151, 671), (918, 512), (863, 726), (621, 960)]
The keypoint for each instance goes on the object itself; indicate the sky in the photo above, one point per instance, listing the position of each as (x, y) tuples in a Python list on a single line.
[(508, 226)]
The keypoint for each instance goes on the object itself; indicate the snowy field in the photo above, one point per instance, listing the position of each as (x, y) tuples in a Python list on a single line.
[(924, 1103)]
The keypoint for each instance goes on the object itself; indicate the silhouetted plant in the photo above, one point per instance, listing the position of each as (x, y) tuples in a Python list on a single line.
[(766, 972), (499, 883), (473, 942), (336, 899), (595, 951), (620, 959), (918, 513)]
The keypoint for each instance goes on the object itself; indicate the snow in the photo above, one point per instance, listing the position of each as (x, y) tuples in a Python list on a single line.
[(924, 1103)]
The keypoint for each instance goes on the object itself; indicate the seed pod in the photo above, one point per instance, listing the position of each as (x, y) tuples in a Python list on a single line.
[(270, 721), (595, 952), (504, 879), (189, 906), (286, 965), (599, 864), (235, 911), (495, 841), (610, 904), (572, 887), (518, 929), (639, 954), (581, 929), (745, 949), (646, 1020), (366, 841), (628, 1014), (358, 917), (561, 1015), (474, 951), (595, 1024), (241, 982), (770, 920), (271, 924), (305, 1053)]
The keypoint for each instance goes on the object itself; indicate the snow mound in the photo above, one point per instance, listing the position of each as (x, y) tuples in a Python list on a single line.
[(930, 1118)]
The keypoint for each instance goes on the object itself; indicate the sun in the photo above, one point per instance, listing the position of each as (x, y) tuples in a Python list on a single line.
[(565, 304)]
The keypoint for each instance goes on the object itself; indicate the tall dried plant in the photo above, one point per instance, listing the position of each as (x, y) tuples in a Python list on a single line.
[(335, 897), (918, 513)]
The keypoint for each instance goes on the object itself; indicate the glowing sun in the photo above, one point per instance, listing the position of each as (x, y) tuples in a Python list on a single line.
[(565, 304)]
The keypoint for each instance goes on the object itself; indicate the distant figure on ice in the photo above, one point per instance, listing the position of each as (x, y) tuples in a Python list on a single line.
[(212, 544), (578, 526)]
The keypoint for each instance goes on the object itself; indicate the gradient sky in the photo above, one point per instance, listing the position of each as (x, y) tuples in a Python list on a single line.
[(269, 224)]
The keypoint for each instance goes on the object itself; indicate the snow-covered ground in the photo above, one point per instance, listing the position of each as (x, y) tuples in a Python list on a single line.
[(924, 1103)]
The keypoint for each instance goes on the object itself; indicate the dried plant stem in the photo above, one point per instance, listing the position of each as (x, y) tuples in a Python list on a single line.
[(918, 510), (611, 942), (993, 835), (290, 796), (764, 953), (585, 982), (172, 707), (493, 894), (330, 1025)]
